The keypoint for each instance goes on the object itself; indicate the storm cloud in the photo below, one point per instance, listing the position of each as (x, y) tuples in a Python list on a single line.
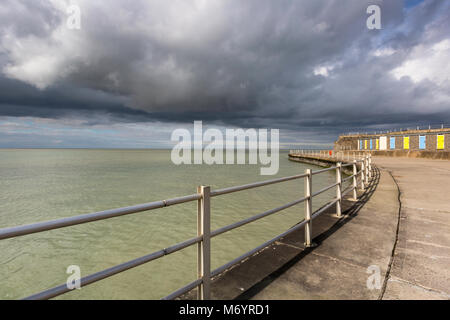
[(298, 65)]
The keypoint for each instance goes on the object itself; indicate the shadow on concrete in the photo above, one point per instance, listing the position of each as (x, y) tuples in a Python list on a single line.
[(351, 211), (251, 276)]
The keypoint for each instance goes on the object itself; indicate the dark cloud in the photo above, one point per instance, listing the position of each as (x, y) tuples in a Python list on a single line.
[(19, 99), (303, 65)]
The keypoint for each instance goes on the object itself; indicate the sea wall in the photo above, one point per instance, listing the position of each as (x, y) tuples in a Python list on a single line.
[(442, 155), (319, 161), (432, 144)]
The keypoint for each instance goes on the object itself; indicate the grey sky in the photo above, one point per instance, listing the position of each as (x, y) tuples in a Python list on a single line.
[(138, 69)]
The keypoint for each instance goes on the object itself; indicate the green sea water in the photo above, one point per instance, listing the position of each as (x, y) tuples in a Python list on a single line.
[(39, 185)]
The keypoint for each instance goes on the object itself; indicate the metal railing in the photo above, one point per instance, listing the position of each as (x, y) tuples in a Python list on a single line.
[(441, 126), (339, 155), (204, 234)]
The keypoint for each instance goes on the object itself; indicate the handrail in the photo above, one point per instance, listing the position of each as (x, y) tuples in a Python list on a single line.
[(347, 164), (253, 251), (254, 185), (324, 208), (183, 290), (90, 217), (324, 189), (203, 197), (398, 131), (342, 155), (256, 217), (351, 188), (348, 178), (61, 289), (323, 170)]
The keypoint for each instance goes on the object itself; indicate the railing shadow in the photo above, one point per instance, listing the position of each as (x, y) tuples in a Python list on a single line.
[(351, 211)]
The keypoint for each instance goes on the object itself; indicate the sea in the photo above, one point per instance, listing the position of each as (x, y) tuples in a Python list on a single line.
[(43, 184)]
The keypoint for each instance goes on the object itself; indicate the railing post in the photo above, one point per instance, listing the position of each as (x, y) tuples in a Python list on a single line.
[(363, 169), (308, 209), (366, 166), (370, 165), (355, 181), (339, 189), (204, 247)]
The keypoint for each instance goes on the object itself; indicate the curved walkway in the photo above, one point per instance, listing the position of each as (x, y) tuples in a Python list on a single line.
[(349, 252), (341, 266), (421, 263), (394, 243)]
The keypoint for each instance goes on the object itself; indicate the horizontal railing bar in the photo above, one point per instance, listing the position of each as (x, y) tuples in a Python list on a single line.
[(323, 209), (256, 217), (345, 157), (254, 185), (59, 290), (183, 290), (348, 178), (90, 217), (323, 170), (182, 245), (347, 190), (324, 189), (253, 251), (347, 164)]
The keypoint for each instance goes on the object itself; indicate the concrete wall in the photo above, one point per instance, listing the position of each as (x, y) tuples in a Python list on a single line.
[(347, 143), (443, 155), (350, 143), (322, 162)]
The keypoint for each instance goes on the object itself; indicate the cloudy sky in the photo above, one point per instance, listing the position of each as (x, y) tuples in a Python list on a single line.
[(136, 70)]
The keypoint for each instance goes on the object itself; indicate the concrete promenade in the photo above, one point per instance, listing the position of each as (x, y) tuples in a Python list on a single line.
[(338, 267), (400, 226), (421, 264)]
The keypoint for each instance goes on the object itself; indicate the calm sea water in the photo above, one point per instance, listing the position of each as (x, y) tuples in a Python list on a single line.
[(38, 185)]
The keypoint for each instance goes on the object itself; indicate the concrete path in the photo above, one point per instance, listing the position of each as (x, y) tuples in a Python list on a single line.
[(400, 227), (421, 264), (338, 267)]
